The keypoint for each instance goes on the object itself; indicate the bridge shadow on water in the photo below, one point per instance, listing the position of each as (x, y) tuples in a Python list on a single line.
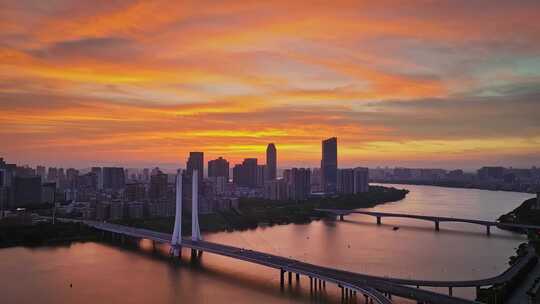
[(297, 291), (442, 231)]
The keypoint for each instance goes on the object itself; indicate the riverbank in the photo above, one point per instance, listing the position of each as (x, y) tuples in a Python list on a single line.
[(526, 214), (451, 184), (253, 213)]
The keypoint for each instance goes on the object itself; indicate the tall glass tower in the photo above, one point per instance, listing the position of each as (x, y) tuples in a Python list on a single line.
[(329, 164)]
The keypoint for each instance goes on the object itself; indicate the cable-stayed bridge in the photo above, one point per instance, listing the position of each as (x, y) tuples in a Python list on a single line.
[(375, 289)]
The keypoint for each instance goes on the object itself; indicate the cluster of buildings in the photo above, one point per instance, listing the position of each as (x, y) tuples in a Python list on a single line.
[(114, 193), (490, 178)]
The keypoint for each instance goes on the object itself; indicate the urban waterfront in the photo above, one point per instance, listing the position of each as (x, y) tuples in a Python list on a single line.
[(111, 274)]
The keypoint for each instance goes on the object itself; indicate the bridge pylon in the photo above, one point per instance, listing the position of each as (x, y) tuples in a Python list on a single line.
[(176, 242), (195, 229)]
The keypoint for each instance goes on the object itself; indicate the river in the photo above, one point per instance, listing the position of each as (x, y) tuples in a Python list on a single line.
[(105, 273)]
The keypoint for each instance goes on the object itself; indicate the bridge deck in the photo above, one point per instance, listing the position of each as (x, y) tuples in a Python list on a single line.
[(370, 285), (429, 218)]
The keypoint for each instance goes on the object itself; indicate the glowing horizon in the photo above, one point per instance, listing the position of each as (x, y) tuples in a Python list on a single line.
[(449, 84)]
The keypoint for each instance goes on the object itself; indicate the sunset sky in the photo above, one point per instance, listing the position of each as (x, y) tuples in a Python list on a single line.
[(142, 83)]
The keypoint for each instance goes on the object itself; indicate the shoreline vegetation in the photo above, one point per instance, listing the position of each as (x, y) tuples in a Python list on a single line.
[(44, 234), (255, 212), (526, 214)]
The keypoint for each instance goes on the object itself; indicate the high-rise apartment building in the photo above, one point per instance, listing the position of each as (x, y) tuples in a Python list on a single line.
[(159, 185), (27, 191), (113, 178), (298, 182), (353, 181), (361, 180), (218, 168), (99, 174), (345, 181), (275, 190), (245, 174), (41, 171), (262, 175), (52, 175)]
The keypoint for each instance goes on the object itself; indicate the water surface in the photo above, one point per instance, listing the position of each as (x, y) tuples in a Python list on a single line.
[(104, 273)]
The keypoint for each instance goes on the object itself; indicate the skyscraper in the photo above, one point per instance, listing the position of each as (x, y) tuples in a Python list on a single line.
[(271, 162), (218, 167), (196, 162), (329, 164)]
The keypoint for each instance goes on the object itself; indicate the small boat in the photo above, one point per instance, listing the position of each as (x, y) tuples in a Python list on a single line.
[(395, 228)]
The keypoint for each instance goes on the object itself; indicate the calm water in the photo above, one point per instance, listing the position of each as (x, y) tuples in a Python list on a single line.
[(102, 273)]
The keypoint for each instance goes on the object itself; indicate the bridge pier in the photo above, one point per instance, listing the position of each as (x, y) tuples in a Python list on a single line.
[(196, 254), (341, 217), (175, 251), (450, 291), (290, 278), (310, 284), (378, 220), (437, 225), (281, 278), (297, 277), (488, 230)]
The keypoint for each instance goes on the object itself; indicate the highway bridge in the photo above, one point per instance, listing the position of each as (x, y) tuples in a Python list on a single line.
[(435, 219), (378, 289)]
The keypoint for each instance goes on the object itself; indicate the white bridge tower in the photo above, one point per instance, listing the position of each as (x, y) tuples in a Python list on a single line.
[(176, 242)]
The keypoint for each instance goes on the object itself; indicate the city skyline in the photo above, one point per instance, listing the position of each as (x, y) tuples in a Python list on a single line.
[(85, 83)]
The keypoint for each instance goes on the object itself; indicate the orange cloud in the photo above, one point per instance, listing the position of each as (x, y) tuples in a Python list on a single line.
[(143, 80)]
